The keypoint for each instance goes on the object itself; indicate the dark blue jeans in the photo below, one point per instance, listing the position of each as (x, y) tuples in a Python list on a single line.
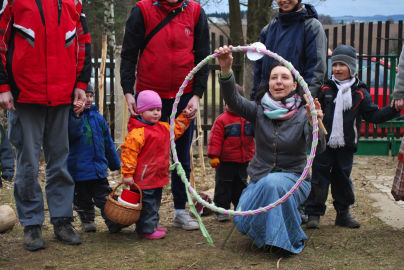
[(333, 167), (183, 145), (149, 216)]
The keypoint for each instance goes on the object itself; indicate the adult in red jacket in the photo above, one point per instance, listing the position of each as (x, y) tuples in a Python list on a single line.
[(230, 148), (162, 66), (45, 56)]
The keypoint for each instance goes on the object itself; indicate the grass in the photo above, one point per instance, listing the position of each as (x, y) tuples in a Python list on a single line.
[(373, 246)]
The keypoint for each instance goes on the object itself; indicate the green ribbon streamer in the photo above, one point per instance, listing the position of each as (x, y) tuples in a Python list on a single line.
[(181, 173)]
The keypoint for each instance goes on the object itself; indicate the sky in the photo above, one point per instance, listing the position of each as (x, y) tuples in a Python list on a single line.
[(337, 7)]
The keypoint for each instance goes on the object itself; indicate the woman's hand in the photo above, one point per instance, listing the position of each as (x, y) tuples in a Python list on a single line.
[(225, 59), (320, 113)]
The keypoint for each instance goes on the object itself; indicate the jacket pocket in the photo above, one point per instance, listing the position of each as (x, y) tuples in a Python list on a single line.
[(14, 129)]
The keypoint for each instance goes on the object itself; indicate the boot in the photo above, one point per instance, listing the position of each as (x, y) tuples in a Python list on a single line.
[(33, 238), (345, 219), (303, 216), (313, 222), (89, 226), (65, 233)]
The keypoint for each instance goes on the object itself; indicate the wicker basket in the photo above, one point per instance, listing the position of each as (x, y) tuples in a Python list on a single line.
[(122, 213)]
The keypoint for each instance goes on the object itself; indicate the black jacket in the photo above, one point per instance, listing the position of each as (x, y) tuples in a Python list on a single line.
[(362, 107)]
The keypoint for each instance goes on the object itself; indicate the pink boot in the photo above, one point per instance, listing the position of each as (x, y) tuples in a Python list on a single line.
[(154, 235), (162, 229)]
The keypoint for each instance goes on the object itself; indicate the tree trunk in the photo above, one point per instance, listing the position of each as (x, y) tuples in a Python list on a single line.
[(258, 15), (237, 37)]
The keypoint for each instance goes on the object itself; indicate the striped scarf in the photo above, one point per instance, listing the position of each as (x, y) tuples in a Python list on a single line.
[(274, 109)]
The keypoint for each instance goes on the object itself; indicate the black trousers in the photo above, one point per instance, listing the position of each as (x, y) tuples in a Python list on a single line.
[(88, 194), (231, 179), (333, 167)]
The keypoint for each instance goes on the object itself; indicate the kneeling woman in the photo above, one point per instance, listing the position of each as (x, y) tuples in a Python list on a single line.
[(283, 131)]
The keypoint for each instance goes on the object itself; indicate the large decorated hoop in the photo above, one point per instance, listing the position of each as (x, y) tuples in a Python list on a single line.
[(178, 166)]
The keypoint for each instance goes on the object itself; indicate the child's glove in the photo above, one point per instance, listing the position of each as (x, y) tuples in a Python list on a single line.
[(215, 162)]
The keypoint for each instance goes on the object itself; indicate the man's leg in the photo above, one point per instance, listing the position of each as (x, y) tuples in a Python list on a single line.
[(59, 184), (26, 127), (183, 145)]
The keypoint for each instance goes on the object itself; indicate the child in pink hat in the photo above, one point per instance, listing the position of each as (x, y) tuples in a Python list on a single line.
[(145, 158)]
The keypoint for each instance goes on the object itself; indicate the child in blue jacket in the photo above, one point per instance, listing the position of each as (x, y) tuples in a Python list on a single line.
[(92, 152)]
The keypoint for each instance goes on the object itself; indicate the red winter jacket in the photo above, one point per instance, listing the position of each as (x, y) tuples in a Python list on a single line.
[(231, 139), (169, 56), (146, 151), (45, 50)]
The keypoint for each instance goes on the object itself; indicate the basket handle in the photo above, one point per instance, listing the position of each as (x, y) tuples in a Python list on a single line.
[(138, 188)]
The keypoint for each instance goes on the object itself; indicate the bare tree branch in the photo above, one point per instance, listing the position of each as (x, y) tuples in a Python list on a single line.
[(219, 27)]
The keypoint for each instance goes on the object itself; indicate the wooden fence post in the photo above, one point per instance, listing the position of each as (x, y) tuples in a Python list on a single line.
[(102, 73)]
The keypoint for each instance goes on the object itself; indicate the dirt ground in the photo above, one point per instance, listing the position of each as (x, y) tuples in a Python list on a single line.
[(378, 244)]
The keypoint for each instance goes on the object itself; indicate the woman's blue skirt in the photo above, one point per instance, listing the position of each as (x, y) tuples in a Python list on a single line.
[(280, 226)]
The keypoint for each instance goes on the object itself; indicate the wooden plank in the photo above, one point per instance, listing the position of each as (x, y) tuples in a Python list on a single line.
[(343, 34), (102, 73), (361, 41), (335, 38), (112, 92)]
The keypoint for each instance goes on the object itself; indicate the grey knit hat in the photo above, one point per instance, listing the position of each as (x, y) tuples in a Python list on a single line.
[(90, 88), (347, 55)]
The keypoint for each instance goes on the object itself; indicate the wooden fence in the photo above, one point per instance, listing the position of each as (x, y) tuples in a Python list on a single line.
[(376, 67)]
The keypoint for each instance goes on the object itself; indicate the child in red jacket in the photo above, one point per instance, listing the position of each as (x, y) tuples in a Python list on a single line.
[(230, 149), (146, 158)]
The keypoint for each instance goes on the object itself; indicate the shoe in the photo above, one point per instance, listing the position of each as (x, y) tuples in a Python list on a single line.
[(162, 229), (222, 217), (185, 221), (115, 227), (65, 233), (154, 235), (33, 238), (89, 226), (313, 222), (345, 219), (304, 217)]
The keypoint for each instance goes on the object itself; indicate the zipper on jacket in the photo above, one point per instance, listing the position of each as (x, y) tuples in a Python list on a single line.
[(144, 171), (39, 4), (59, 10)]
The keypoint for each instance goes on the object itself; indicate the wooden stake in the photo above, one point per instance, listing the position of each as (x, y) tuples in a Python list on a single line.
[(320, 122), (200, 143), (191, 175), (125, 120), (102, 74)]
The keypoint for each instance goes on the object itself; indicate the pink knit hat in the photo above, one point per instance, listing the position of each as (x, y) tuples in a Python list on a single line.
[(148, 99)]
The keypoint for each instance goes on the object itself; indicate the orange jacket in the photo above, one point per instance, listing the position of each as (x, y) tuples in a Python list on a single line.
[(146, 151)]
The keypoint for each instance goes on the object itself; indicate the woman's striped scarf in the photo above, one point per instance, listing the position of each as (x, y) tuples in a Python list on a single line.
[(275, 109)]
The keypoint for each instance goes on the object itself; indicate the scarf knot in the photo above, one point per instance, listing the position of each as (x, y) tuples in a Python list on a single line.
[(275, 109)]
